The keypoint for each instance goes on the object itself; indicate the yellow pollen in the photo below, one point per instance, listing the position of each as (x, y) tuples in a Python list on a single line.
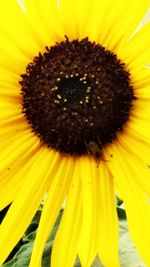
[(56, 101)]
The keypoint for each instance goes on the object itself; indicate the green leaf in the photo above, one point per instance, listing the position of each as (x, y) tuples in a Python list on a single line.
[(22, 257)]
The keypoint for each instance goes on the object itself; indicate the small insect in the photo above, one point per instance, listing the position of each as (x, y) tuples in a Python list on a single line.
[(95, 150)]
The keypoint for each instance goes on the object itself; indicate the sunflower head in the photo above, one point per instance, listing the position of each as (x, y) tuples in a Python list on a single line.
[(76, 93), (74, 121)]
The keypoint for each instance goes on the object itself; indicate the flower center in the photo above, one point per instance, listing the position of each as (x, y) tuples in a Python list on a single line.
[(76, 96)]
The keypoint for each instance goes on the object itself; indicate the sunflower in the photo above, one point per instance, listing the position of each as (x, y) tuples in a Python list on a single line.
[(74, 121)]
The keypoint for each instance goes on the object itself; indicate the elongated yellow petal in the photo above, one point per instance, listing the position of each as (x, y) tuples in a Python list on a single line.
[(57, 191), (11, 60), (138, 128), (49, 14), (140, 78), (8, 79), (136, 202), (17, 125), (14, 176), (26, 201), (33, 13), (98, 20), (17, 148), (128, 52), (10, 112), (141, 104), (139, 149), (143, 93), (142, 114), (10, 170), (141, 61), (108, 232), (120, 23), (65, 244), (11, 102), (16, 31), (74, 15), (137, 166), (87, 247)]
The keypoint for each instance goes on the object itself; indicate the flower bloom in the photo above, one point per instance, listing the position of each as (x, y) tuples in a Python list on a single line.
[(74, 120)]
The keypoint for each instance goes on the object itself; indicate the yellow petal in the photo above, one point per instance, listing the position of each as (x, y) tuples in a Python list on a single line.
[(17, 125), (87, 247), (139, 149), (143, 93), (27, 201), (16, 148), (128, 52), (74, 15), (8, 79), (138, 128), (33, 10), (121, 21), (108, 232), (10, 113), (11, 101), (56, 193), (13, 177), (142, 104), (141, 61), (98, 20), (135, 200), (49, 14), (137, 163), (139, 113), (65, 244), (140, 79), (16, 31), (10, 93)]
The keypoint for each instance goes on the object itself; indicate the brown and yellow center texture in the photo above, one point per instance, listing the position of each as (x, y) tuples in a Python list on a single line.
[(76, 93)]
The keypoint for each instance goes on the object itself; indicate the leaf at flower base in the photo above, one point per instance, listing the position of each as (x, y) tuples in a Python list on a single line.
[(9, 263), (121, 211), (23, 255)]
